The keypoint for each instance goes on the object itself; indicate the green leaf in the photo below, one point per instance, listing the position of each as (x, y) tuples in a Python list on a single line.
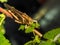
[(37, 39), (22, 27), (29, 43), (3, 1), (58, 40), (47, 43), (51, 34), (2, 30), (35, 25), (29, 29), (3, 40), (2, 17)]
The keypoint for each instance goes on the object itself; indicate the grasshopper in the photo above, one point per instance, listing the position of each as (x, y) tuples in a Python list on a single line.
[(18, 16)]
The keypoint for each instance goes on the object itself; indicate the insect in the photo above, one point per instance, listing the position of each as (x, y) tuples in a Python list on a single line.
[(18, 16)]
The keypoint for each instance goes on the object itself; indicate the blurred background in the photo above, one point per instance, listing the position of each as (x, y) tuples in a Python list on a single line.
[(46, 12)]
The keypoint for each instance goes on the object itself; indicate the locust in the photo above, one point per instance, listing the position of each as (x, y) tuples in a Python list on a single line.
[(18, 16)]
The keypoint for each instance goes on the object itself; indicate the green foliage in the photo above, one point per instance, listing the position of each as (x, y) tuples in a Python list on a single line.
[(2, 17), (35, 25), (3, 1), (3, 40), (22, 27), (51, 34), (59, 40), (29, 43), (35, 41), (2, 31), (48, 42), (29, 28)]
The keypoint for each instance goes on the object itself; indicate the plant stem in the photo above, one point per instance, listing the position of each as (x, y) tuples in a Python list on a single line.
[(38, 33)]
